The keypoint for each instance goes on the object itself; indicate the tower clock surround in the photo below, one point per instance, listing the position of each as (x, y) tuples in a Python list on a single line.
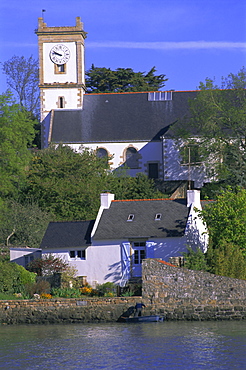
[(61, 66)]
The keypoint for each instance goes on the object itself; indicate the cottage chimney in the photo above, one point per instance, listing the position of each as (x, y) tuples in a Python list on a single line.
[(106, 199), (193, 197)]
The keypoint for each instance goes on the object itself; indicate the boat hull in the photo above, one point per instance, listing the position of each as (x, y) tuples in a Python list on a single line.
[(154, 318)]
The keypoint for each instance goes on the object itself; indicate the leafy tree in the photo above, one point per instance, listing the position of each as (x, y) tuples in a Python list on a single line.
[(23, 224), (139, 187), (104, 80), (68, 184), (218, 119), (22, 78), (47, 265), (226, 221), (195, 260), (16, 134)]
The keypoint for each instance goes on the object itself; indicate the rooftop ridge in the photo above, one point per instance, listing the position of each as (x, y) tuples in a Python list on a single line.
[(140, 200), (140, 92)]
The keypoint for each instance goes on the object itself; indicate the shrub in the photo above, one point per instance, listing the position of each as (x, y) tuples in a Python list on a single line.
[(65, 292), (107, 289), (13, 278), (40, 287)]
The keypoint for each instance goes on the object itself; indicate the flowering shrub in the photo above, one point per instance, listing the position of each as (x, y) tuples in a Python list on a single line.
[(86, 290), (45, 296)]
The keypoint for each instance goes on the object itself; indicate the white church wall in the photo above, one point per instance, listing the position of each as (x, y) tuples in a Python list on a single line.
[(147, 152), (174, 170)]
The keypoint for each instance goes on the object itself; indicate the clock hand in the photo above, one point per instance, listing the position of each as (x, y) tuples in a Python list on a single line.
[(55, 52)]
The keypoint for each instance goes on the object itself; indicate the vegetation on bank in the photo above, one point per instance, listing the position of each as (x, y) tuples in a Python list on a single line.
[(39, 186)]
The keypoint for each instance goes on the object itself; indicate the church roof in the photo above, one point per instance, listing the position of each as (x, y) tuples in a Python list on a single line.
[(156, 218), (68, 234), (118, 117)]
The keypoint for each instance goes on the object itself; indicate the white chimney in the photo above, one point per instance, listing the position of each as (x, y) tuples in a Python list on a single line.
[(193, 197), (106, 199)]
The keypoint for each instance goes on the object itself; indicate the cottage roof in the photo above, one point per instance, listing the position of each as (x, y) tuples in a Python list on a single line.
[(118, 117), (67, 234), (159, 218)]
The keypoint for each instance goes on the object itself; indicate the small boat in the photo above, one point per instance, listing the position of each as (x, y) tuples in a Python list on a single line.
[(153, 318)]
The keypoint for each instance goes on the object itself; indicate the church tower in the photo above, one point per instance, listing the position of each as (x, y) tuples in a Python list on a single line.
[(61, 66)]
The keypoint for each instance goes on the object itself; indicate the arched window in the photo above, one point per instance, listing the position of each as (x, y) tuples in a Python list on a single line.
[(102, 153), (132, 157)]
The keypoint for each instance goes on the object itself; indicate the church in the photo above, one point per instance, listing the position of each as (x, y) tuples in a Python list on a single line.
[(133, 130)]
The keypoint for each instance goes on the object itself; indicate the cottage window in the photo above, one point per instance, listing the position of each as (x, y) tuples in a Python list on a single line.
[(80, 254), (72, 254), (130, 217), (158, 217)]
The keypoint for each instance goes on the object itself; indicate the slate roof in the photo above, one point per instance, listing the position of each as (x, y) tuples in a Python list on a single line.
[(114, 225), (119, 117), (67, 234)]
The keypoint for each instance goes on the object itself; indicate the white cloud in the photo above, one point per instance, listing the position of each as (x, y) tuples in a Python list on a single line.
[(168, 45)]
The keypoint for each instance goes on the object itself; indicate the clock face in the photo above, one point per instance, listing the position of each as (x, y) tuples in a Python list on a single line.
[(59, 54)]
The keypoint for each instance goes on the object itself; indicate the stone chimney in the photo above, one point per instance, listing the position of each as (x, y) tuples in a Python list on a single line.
[(193, 198), (106, 199)]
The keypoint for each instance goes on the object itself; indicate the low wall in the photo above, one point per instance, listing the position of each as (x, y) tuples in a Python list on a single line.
[(182, 294), (173, 292), (46, 311)]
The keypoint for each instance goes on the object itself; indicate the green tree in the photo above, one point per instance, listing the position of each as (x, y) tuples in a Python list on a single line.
[(16, 135), (67, 184), (139, 187), (22, 78), (218, 120), (226, 221), (23, 224), (104, 80)]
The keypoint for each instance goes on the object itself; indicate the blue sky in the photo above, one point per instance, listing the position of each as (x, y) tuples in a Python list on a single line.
[(187, 40)]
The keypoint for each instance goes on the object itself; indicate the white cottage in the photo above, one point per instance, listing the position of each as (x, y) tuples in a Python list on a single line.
[(125, 232)]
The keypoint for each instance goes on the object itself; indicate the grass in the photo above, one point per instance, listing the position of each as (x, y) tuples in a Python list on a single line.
[(8, 296)]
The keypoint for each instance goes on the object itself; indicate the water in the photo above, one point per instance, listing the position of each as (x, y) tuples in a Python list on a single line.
[(167, 345)]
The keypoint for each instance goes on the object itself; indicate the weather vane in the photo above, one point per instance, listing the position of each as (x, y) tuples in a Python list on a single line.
[(43, 11)]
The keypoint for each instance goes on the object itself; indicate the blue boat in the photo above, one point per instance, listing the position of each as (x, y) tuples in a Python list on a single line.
[(153, 318)]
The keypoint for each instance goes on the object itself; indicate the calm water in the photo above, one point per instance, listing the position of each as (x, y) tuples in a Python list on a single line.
[(167, 345)]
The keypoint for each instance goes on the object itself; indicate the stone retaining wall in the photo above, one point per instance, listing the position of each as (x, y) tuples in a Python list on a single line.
[(62, 310), (182, 294), (172, 292)]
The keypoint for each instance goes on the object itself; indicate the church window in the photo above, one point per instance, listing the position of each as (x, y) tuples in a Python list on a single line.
[(153, 170), (60, 68), (132, 158), (61, 102), (190, 155), (102, 153)]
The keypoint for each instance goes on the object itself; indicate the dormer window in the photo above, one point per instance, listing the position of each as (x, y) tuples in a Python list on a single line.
[(130, 217), (158, 217), (160, 96)]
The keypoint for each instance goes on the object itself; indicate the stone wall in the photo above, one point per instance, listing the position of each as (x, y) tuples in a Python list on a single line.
[(46, 311), (182, 294)]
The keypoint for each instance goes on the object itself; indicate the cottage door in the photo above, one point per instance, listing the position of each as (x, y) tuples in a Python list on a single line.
[(139, 253)]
